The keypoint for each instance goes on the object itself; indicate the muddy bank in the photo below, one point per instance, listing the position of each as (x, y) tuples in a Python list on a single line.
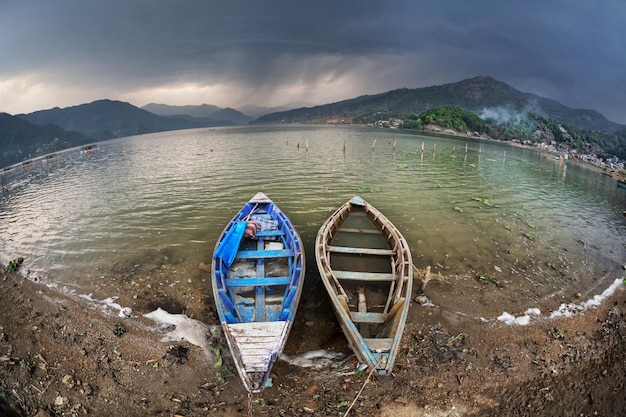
[(62, 355)]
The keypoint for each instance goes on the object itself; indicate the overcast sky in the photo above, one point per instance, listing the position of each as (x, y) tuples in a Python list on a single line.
[(275, 52)]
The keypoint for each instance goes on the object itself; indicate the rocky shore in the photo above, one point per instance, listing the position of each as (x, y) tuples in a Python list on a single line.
[(62, 355)]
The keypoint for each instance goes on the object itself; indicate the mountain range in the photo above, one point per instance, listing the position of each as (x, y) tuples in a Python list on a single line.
[(34, 134), (479, 95), (242, 116)]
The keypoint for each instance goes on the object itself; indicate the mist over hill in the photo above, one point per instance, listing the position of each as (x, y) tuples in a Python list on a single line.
[(478, 95)]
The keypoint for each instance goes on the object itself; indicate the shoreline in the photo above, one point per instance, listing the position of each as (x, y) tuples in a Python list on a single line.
[(61, 354), (451, 133)]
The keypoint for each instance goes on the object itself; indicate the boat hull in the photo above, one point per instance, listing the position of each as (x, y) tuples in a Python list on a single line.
[(257, 277), (367, 269)]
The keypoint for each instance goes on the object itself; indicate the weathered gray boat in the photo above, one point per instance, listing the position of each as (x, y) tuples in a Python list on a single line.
[(257, 277), (367, 269)]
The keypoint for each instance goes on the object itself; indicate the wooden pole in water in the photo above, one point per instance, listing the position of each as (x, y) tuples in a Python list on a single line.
[(395, 142), (465, 147), (374, 144), (422, 147)]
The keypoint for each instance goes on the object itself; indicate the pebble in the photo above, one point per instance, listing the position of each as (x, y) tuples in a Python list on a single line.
[(60, 401), (68, 381), (421, 299), (86, 389)]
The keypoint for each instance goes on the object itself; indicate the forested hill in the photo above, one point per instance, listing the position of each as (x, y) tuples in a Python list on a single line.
[(35, 134), (20, 139), (55, 129), (531, 128), (106, 119), (476, 95)]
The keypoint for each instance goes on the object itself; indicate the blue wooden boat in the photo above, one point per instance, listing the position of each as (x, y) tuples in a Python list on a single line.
[(257, 274), (366, 266)]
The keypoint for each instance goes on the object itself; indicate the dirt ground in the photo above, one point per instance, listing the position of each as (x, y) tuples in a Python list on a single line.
[(61, 355)]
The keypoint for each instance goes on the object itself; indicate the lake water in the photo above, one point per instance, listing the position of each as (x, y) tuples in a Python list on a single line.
[(507, 228)]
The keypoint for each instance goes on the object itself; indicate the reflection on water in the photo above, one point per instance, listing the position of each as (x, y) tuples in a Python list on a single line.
[(508, 228)]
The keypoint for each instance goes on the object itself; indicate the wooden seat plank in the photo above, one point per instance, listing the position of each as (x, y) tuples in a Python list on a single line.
[(253, 282), (262, 233), (255, 254), (379, 345), (361, 251), (353, 230), (363, 276), (374, 318)]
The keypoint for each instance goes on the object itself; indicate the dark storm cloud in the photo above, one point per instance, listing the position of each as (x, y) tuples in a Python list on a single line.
[(572, 51)]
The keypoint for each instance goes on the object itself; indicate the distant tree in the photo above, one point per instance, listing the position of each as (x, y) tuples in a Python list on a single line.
[(450, 117)]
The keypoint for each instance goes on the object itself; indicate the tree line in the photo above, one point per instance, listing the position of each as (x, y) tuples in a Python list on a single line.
[(530, 127)]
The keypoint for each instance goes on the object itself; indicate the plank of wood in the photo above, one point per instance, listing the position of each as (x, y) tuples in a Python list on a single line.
[(379, 345), (252, 364), (363, 276), (253, 282), (258, 342), (229, 308), (259, 302), (250, 343), (361, 251), (262, 233), (396, 307), (254, 329), (362, 302), (256, 254), (353, 230), (343, 300), (374, 318)]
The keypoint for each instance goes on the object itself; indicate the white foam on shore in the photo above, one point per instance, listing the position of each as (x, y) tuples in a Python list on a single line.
[(522, 320), (185, 328), (109, 303), (28, 274), (565, 309), (317, 359), (568, 310)]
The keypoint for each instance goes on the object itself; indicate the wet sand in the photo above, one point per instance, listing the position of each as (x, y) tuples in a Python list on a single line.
[(62, 355)]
